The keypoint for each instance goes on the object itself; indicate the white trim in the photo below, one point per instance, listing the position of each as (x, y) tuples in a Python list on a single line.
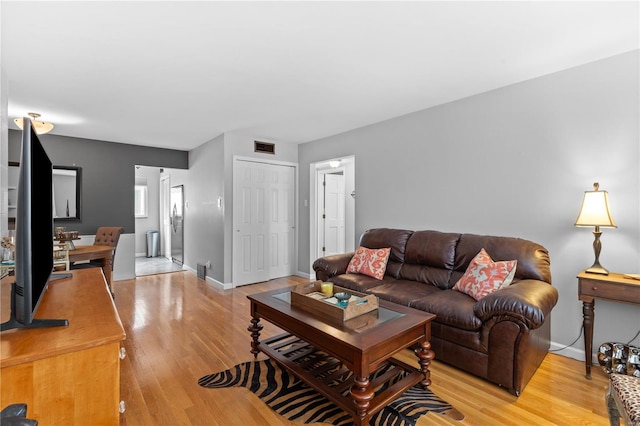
[(311, 277), (314, 170), (208, 279), (265, 161), (569, 352)]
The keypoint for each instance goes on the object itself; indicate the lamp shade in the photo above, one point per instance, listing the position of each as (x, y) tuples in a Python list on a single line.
[(595, 209)]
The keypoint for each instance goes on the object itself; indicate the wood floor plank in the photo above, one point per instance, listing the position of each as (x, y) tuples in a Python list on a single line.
[(180, 328)]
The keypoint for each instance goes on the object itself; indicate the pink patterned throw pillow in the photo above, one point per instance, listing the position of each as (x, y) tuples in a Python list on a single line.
[(371, 262), (484, 276)]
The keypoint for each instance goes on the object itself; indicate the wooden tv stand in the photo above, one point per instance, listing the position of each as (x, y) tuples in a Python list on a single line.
[(65, 375)]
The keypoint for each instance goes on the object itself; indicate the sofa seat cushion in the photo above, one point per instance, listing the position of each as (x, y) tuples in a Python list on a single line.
[(403, 292), (451, 308), (359, 282)]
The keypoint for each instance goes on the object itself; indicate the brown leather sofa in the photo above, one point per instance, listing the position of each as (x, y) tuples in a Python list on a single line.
[(503, 337)]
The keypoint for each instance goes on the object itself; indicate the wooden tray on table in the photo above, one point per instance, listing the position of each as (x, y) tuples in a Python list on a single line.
[(310, 298)]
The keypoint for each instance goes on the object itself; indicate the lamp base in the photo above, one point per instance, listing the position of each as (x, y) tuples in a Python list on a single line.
[(597, 269)]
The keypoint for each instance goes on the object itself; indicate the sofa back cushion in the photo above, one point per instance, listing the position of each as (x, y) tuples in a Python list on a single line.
[(396, 239), (533, 259), (430, 257)]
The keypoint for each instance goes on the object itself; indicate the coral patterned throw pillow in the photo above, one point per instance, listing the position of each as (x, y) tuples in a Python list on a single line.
[(484, 276), (371, 262)]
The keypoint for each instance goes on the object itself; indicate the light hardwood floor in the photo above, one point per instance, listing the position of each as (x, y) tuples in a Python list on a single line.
[(180, 328)]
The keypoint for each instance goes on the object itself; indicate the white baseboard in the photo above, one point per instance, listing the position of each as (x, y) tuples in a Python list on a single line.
[(311, 277), (222, 286), (569, 352)]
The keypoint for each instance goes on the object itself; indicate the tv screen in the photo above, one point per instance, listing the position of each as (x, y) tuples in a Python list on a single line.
[(34, 233)]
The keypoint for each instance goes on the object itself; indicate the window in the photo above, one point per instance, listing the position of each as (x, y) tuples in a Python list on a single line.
[(142, 199)]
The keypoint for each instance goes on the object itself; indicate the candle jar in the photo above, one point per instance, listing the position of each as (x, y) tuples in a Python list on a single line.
[(327, 289)]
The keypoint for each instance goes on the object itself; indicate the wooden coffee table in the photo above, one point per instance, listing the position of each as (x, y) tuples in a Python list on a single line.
[(340, 359)]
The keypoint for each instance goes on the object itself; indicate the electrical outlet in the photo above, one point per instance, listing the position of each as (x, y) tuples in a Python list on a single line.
[(208, 264)]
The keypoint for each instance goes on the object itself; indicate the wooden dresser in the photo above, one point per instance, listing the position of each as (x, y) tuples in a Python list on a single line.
[(66, 375)]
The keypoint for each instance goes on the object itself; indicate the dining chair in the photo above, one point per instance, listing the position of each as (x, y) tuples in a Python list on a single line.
[(105, 236)]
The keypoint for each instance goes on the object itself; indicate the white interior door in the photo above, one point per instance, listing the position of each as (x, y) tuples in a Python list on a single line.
[(264, 221), (333, 214), (281, 186)]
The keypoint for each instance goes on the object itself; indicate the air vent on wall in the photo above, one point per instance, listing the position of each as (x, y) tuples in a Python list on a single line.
[(201, 271), (264, 147)]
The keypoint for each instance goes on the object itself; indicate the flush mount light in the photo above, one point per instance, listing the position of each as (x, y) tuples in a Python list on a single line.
[(41, 127)]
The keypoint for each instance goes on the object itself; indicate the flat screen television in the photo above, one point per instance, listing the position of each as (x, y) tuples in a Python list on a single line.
[(34, 235)]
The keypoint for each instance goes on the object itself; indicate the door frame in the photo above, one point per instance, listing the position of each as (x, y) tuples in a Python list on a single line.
[(165, 211), (320, 193), (236, 158), (348, 163)]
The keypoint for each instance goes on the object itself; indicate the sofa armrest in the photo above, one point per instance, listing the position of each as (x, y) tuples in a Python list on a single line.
[(530, 301), (330, 266)]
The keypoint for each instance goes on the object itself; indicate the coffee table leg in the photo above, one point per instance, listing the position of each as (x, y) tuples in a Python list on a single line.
[(425, 355), (362, 394), (255, 327)]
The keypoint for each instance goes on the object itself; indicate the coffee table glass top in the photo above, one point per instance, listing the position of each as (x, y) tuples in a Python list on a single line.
[(360, 323)]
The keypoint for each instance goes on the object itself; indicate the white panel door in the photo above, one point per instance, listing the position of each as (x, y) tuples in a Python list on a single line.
[(250, 226), (264, 222), (281, 220), (333, 214)]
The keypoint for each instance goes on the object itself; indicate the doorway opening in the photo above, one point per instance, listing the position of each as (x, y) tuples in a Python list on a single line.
[(332, 207), (177, 224), (153, 186)]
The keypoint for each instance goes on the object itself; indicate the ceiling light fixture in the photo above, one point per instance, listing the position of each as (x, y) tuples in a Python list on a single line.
[(41, 127)]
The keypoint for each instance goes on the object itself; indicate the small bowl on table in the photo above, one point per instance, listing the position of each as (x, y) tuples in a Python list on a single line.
[(342, 298)]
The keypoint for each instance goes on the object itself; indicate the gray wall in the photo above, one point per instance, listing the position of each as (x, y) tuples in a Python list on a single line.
[(516, 162), (108, 175), (204, 220)]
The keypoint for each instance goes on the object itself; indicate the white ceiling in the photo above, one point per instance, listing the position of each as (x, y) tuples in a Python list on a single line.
[(176, 74)]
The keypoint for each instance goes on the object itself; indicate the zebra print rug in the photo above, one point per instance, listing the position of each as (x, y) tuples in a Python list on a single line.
[(294, 400)]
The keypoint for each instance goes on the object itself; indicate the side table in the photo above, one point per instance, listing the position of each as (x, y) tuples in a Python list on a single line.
[(614, 288)]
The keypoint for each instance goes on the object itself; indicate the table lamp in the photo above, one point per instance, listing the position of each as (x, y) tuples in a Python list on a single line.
[(595, 212)]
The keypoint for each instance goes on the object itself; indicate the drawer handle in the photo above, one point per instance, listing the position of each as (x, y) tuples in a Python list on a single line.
[(123, 353), (594, 288), (122, 407)]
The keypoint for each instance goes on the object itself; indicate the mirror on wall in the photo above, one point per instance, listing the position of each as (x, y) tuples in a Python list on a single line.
[(67, 182)]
